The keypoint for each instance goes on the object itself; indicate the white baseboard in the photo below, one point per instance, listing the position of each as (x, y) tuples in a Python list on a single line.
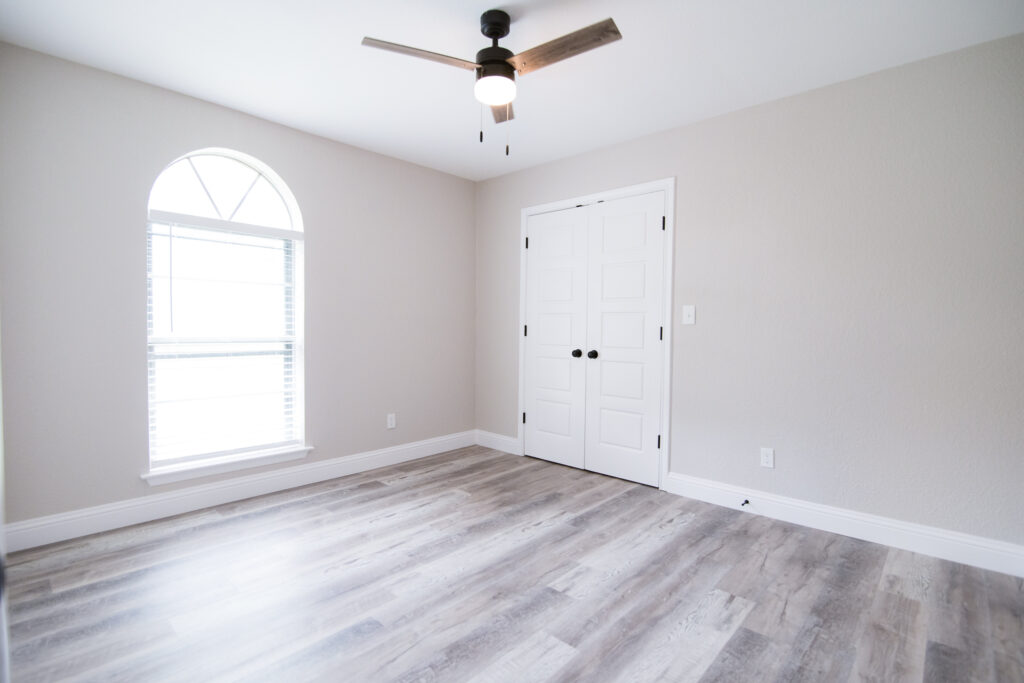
[(977, 551), (950, 545), (499, 442), (60, 527)]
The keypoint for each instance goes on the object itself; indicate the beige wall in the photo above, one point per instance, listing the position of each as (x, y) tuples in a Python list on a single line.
[(856, 256), (389, 280)]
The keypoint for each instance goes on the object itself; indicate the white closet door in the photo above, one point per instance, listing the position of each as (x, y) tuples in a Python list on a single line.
[(556, 302), (624, 310)]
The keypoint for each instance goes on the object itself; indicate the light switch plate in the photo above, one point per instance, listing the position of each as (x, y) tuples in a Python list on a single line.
[(689, 314)]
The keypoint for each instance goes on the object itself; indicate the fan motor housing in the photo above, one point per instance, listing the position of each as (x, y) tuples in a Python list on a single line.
[(493, 62)]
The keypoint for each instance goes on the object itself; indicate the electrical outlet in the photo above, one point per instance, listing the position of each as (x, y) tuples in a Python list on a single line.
[(768, 457), (391, 421)]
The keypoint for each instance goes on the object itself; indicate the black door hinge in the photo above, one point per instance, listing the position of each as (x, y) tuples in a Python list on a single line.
[(661, 334), (659, 440), (524, 330), (524, 418), (527, 242), (662, 222)]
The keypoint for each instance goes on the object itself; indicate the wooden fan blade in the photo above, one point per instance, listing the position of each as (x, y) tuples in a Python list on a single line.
[(502, 113), (422, 54), (567, 46)]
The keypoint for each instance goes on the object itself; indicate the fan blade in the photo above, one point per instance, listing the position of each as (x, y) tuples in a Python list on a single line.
[(502, 113), (567, 46), (422, 54)]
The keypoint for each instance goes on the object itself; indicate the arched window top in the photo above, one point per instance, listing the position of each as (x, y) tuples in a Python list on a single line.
[(224, 185)]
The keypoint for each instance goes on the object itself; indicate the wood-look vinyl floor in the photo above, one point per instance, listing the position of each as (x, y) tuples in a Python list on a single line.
[(479, 566)]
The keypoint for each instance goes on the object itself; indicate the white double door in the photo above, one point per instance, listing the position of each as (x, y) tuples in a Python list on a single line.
[(593, 340)]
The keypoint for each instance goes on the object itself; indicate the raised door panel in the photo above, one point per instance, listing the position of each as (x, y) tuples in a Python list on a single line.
[(624, 309), (556, 301)]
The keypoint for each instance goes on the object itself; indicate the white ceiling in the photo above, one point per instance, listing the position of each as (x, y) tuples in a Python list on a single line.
[(300, 62)]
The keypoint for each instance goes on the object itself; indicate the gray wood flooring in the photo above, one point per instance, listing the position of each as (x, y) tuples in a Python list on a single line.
[(479, 566)]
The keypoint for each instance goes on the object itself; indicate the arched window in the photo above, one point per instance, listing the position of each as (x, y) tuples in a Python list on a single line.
[(224, 263)]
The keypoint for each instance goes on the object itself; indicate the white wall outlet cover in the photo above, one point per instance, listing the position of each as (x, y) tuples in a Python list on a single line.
[(391, 421), (768, 457), (689, 314)]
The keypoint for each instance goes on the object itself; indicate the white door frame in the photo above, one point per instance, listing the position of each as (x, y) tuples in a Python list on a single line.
[(668, 185)]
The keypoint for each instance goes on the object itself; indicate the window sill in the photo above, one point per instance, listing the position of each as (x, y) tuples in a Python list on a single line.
[(229, 463)]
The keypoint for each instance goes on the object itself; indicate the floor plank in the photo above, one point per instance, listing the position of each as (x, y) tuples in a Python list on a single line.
[(474, 565)]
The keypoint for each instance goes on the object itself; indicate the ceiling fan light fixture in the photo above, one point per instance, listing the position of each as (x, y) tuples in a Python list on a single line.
[(495, 90), (495, 77), (496, 67)]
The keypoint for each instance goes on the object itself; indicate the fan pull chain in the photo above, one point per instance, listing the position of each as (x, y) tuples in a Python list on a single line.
[(481, 122), (508, 129)]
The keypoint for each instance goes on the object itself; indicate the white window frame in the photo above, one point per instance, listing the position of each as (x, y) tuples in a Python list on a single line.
[(207, 464)]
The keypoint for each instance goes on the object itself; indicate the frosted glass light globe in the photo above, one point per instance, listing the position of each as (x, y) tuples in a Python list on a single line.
[(495, 90)]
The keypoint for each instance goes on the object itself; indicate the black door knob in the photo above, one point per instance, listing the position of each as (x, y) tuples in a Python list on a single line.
[(592, 354), (576, 353)]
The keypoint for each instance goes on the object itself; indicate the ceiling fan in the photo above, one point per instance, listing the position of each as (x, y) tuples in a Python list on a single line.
[(496, 67)]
